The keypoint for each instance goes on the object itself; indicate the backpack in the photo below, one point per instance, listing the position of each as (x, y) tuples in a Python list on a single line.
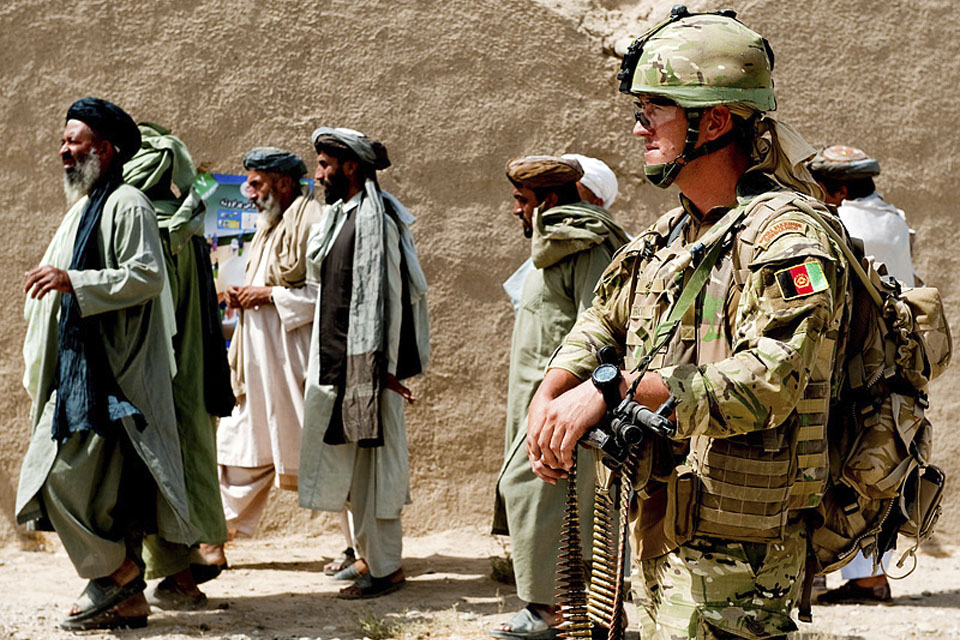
[(880, 482)]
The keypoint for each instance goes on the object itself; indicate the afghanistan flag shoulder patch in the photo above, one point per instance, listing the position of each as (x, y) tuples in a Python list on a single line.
[(803, 280)]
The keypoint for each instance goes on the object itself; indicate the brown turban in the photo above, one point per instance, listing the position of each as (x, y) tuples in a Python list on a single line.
[(536, 172)]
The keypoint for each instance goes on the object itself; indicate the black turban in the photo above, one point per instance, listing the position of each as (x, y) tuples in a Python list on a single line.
[(270, 159), (109, 121)]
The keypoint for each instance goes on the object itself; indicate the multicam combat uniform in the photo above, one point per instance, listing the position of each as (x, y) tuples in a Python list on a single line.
[(719, 532)]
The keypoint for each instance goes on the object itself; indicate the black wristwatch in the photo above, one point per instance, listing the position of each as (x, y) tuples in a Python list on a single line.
[(606, 378)]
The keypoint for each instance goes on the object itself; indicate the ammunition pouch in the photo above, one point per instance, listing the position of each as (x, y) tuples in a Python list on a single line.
[(683, 490)]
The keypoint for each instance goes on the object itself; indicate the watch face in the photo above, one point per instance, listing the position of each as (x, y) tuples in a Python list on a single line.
[(605, 373)]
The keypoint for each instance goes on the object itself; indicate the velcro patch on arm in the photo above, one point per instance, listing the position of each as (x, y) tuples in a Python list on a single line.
[(777, 229), (803, 280)]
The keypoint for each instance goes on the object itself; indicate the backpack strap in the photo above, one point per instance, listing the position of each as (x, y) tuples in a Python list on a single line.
[(710, 249)]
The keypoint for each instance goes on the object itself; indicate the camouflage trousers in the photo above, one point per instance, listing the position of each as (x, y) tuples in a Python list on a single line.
[(711, 589)]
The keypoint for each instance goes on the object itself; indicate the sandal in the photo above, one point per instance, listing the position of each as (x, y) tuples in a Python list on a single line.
[(107, 620), (206, 572), (367, 586), (98, 597), (169, 595), (526, 625), (353, 571), (341, 562)]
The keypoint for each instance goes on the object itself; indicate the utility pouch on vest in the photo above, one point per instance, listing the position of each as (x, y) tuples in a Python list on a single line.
[(683, 491), (920, 502), (745, 482)]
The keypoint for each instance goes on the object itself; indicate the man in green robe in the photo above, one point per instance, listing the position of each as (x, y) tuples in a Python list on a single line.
[(571, 244), (201, 388), (104, 464)]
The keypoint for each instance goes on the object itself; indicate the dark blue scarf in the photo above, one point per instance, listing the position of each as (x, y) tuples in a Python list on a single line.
[(88, 396)]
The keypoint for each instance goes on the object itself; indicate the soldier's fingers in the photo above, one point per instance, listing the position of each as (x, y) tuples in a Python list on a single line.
[(533, 447), (567, 446), (545, 473), (555, 442), (545, 441)]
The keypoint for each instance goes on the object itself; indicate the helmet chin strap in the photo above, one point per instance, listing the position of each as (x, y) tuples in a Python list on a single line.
[(663, 174)]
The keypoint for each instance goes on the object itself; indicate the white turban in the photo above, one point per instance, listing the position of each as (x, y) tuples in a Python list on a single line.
[(597, 177)]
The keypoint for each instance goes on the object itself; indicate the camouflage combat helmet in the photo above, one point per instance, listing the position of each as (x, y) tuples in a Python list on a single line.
[(699, 61)]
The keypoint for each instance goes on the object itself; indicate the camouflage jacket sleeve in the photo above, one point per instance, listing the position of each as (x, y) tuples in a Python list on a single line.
[(793, 288), (604, 322)]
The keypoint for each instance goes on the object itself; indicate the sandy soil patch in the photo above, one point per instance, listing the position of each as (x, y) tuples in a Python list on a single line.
[(275, 589)]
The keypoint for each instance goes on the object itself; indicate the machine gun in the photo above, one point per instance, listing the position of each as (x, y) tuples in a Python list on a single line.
[(623, 428)]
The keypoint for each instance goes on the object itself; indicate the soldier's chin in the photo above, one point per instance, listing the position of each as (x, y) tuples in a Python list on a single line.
[(527, 231)]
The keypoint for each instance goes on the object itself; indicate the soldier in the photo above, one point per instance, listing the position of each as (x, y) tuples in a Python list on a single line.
[(747, 351)]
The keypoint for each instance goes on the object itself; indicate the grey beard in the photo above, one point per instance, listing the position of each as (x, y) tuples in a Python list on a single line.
[(79, 181), (270, 212)]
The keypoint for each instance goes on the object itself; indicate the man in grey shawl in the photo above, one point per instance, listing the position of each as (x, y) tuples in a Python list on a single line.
[(370, 332), (104, 463), (258, 445), (571, 243), (164, 171)]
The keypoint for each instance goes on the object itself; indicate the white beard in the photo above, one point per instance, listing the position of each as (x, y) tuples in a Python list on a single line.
[(270, 212), (79, 181)]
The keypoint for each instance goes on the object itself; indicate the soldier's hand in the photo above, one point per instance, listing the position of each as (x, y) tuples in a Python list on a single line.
[(552, 437), (536, 418), (41, 280), (249, 297)]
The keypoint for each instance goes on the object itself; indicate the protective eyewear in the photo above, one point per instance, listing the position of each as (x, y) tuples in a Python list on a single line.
[(654, 111)]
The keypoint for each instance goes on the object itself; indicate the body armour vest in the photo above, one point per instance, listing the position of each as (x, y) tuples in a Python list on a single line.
[(745, 486)]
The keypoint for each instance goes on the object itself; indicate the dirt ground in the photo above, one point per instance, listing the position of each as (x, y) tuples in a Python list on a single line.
[(275, 589)]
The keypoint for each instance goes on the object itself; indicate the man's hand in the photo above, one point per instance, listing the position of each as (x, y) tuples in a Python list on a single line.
[(549, 421), (564, 422), (230, 297), (249, 297), (41, 280)]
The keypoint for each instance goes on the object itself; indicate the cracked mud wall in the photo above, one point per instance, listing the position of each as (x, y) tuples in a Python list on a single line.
[(454, 89)]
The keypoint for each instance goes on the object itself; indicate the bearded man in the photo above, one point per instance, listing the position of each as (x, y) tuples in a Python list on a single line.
[(572, 243), (370, 333), (104, 463), (259, 443)]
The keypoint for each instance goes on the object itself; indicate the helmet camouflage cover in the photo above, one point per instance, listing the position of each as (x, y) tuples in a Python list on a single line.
[(701, 60)]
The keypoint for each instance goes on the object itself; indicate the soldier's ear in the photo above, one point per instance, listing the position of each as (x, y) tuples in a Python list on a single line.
[(715, 122)]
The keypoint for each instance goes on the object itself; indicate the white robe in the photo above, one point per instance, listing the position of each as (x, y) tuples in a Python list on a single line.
[(264, 428), (883, 229)]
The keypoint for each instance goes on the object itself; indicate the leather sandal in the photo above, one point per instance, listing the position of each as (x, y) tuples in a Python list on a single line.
[(367, 586), (98, 597), (341, 562), (526, 625), (113, 617)]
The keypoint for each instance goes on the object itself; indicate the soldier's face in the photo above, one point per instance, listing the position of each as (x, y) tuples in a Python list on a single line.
[(524, 202), (663, 127)]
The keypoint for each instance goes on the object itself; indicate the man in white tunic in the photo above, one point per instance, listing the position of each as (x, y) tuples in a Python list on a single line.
[(104, 464), (259, 444), (370, 333), (846, 175)]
